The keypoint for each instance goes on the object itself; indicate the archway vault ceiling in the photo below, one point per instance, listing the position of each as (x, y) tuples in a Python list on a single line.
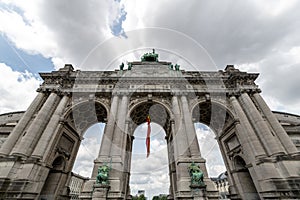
[(156, 111), (86, 114), (213, 115)]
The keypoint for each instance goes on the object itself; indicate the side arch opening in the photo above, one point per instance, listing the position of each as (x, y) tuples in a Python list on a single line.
[(212, 122), (78, 141)]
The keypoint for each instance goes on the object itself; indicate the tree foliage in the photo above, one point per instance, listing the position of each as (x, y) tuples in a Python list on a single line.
[(163, 197), (141, 197)]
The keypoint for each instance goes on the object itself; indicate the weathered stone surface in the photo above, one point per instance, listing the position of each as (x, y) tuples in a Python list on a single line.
[(260, 152)]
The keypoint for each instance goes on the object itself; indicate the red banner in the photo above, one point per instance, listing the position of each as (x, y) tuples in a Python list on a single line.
[(148, 120)]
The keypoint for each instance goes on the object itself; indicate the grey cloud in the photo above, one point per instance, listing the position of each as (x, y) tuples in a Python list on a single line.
[(78, 26), (232, 31), (241, 32), (282, 77)]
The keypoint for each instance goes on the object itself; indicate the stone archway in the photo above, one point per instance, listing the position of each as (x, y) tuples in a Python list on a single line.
[(222, 120), (228, 101), (69, 133)]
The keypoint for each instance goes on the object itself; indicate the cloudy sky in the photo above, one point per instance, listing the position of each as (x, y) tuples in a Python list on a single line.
[(255, 35)]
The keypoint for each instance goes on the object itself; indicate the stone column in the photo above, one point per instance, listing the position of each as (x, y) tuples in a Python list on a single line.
[(124, 158), (18, 130), (280, 132), (120, 128), (117, 174), (190, 128), (264, 133), (109, 129), (33, 133), (173, 132), (247, 129), (172, 170), (244, 141), (181, 150), (125, 140), (180, 142), (41, 147)]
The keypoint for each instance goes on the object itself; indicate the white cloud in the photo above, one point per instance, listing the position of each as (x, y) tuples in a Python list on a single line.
[(257, 36), (28, 34), (88, 150), (17, 89), (56, 29), (152, 173), (210, 150)]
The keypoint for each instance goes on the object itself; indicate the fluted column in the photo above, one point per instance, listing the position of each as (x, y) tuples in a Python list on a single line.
[(41, 147), (33, 133), (173, 132), (109, 129), (125, 140), (190, 128), (271, 145), (280, 132), (247, 129), (120, 127), (180, 142), (246, 144), (18, 130)]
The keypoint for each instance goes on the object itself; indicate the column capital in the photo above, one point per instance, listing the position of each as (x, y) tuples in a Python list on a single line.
[(234, 93), (236, 121), (175, 93), (172, 120), (257, 91), (179, 93), (120, 93), (127, 120), (232, 98)]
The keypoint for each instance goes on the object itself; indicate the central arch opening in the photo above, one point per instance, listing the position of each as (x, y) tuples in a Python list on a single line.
[(150, 175)]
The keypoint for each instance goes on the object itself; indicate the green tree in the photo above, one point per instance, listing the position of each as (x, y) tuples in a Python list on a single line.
[(163, 197), (141, 197)]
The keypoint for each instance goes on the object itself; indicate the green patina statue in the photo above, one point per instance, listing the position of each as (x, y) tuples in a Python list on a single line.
[(196, 175), (177, 67), (103, 174), (150, 57), (121, 66), (129, 66)]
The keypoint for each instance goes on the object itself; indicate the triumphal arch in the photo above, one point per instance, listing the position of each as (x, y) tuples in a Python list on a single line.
[(37, 156)]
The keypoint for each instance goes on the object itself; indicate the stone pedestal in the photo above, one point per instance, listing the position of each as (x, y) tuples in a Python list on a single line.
[(100, 192), (199, 192)]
